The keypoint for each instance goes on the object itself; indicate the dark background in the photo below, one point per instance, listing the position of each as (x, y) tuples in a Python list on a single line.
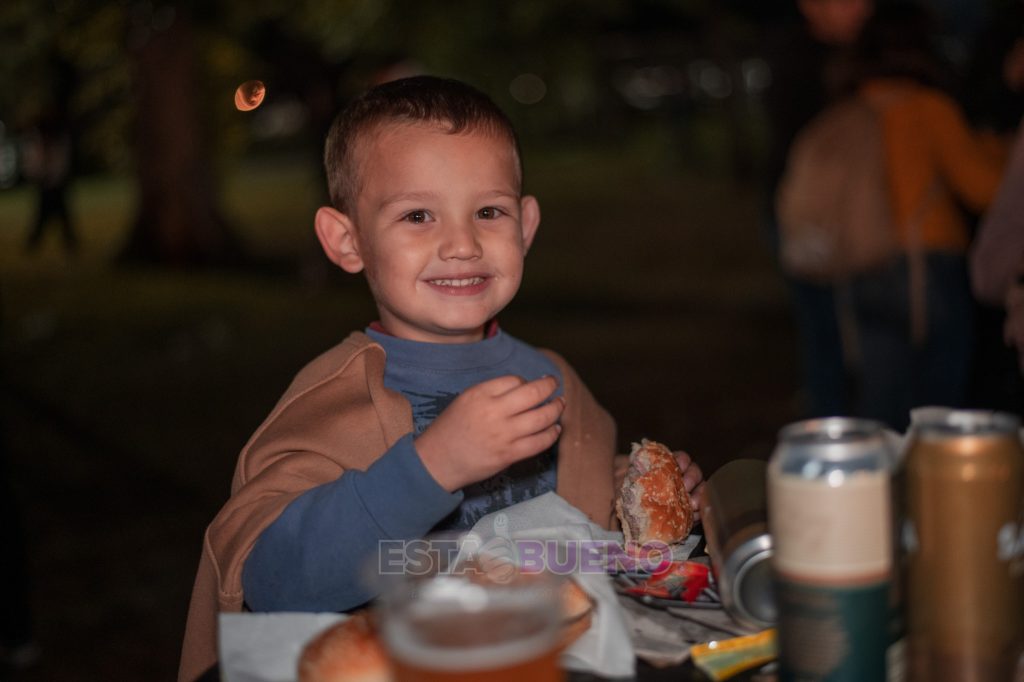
[(135, 369)]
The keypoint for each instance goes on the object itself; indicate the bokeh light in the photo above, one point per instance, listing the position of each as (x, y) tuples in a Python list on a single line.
[(249, 95), (527, 88)]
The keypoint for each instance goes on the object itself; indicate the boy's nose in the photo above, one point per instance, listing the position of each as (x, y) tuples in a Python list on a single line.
[(459, 241)]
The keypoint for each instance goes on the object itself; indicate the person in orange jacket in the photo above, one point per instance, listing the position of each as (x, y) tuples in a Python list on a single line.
[(913, 316)]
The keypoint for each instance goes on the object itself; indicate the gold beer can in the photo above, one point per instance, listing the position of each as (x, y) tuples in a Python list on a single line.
[(965, 547)]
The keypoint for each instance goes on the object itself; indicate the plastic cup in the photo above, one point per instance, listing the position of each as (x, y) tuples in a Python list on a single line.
[(454, 617)]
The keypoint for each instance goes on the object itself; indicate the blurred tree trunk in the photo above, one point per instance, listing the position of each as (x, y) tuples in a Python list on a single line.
[(178, 220)]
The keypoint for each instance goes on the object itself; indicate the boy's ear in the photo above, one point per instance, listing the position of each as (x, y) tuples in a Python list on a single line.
[(529, 211), (337, 235)]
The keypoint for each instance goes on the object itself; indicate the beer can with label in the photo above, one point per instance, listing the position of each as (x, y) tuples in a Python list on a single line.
[(831, 521), (965, 547)]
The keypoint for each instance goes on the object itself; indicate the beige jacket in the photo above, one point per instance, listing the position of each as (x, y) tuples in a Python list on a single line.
[(337, 415)]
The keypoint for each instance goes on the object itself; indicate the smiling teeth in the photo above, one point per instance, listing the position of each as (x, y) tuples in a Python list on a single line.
[(468, 282)]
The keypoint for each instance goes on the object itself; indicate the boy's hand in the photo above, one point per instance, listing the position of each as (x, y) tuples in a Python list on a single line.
[(693, 477), (620, 466), (488, 427)]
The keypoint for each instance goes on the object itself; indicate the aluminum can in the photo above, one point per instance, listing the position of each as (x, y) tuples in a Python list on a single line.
[(830, 513), (965, 547), (735, 520)]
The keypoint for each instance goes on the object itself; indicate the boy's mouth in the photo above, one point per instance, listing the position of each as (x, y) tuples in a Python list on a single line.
[(460, 286), (457, 283)]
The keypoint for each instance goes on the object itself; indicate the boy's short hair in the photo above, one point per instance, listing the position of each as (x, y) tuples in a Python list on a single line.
[(419, 99)]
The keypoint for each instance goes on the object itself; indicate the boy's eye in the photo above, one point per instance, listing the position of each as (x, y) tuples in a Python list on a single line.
[(489, 213), (416, 217)]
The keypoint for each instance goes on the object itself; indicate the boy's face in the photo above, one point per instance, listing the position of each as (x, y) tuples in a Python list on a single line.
[(439, 227)]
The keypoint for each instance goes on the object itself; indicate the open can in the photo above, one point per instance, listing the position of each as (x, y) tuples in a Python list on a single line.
[(735, 520)]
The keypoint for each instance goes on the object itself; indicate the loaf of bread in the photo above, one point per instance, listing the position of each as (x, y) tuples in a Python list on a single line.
[(653, 504)]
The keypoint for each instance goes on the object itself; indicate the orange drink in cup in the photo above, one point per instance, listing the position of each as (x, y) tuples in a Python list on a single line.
[(462, 625)]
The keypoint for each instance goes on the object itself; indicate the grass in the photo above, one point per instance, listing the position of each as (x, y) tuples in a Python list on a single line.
[(130, 391)]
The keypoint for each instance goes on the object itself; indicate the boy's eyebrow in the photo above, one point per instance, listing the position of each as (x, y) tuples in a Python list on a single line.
[(406, 196), (500, 193), (425, 196)]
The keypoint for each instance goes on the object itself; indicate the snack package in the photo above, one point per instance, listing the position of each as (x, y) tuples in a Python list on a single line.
[(721, 659), (683, 580)]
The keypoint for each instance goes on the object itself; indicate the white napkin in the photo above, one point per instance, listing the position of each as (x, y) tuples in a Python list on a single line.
[(265, 647), (605, 649)]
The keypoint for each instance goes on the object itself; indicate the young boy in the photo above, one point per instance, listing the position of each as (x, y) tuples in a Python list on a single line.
[(434, 416)]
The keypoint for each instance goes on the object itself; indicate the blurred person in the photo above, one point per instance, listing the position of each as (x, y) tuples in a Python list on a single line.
[(913, 316), (994, 100), (430, 417), (997, 255), (805, 59), (48, 165)]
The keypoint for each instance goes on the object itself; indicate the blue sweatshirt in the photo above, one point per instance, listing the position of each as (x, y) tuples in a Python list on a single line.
[(312, 557)]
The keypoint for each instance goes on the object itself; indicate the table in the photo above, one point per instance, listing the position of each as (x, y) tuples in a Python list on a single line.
[(685, 672)]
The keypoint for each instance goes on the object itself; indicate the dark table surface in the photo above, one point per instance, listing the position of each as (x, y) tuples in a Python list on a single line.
[(684, 672)]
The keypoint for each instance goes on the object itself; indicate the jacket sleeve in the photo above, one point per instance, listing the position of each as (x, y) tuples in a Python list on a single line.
[(316, 555), (336, 417), (586, 449), (999, 247)]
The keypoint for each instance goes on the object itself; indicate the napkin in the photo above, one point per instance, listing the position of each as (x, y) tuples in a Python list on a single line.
[(605, 649), (265, 647)]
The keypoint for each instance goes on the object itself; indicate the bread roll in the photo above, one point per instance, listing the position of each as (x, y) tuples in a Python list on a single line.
[(576, 603), (653, 504), (349, 651), (578, 612)]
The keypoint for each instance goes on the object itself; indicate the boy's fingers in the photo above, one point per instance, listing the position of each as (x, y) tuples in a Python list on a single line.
[(621, 465), (539, 418), (530, 394), (500, 385), (697, 498), (683, 459), (692, 476), (536, 443)]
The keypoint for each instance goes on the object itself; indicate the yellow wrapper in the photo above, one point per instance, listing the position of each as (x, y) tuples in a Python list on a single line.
[(724, 658)]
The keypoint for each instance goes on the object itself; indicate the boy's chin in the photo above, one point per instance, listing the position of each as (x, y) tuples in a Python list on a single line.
[(441, 334), (461, 335), (461, 329), (452, 328)]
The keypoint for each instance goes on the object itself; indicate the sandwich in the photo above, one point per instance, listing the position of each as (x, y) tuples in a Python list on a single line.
[(653, 504)]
